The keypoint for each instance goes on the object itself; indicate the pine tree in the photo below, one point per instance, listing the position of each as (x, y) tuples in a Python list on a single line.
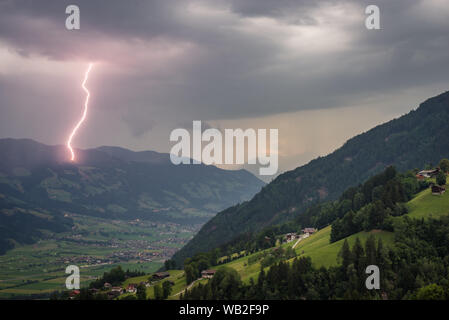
[(359, 256), (260, 284), (345, 255), (141, 293), (370, 249)]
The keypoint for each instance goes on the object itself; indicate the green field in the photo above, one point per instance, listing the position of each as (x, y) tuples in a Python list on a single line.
[(245, 270), (39, 268), (316, 246), (177, 276), (427, 205), (325, 254)]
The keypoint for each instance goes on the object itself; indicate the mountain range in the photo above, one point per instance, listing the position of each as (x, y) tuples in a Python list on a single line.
[(40, 189)]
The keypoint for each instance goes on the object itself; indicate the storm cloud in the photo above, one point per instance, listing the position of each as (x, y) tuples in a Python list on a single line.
[(161, 63)]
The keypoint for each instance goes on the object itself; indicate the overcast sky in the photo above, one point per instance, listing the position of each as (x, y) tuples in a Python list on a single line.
[(309, 68)]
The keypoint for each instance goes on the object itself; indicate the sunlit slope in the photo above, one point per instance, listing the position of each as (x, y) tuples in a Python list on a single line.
[(325, 254), (427, 205)]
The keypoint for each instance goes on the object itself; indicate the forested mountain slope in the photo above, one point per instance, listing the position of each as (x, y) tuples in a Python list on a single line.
[(416, 139)]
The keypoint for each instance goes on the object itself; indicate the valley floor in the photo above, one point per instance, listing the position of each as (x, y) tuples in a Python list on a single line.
[(95, 246)]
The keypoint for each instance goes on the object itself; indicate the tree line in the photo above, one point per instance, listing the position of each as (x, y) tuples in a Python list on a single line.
[(415, 267)]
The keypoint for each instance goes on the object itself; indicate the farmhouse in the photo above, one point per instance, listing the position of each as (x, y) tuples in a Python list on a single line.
[(309, 230), (290, 237), (207, 274), (438, 190), (428, 173), (160, 275), (131, 288), (119, 290)]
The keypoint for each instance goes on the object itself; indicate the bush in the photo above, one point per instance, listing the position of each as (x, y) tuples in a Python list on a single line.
[(441, 179), (431, 292)]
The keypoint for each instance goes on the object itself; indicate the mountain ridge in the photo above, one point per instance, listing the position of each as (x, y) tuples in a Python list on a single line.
[(413, 140), (38, 184)]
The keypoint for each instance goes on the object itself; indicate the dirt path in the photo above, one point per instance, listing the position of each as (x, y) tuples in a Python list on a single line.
[(300, 238), (188, 288)]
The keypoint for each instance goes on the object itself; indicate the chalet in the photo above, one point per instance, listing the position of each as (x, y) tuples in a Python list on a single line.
[(117, 289), (132, 288), (290, 237), (107, 285), (207, 274), (160, 275), (428, 173), (309, 230), (438, 190)]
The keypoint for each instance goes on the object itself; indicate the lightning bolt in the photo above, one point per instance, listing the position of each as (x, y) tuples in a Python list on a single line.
[(86, 104)]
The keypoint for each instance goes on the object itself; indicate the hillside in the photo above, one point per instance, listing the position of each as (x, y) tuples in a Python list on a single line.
[(325, 254), (317, 246), (418, 138), (40, 190), (426, 205)]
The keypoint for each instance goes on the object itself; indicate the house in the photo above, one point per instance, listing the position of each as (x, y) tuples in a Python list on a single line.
[(429, 173), (160, 275), (107, 285), (309, 230), (290, 237), (438, 190), (207, 274), (117, 289), (132, 288), (73, 294)]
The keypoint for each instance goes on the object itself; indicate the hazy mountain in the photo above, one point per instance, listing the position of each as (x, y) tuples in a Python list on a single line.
[(39, 188), (416, 139)]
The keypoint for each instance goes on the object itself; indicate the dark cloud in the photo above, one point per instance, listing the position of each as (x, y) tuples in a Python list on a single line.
[(162, 63)]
